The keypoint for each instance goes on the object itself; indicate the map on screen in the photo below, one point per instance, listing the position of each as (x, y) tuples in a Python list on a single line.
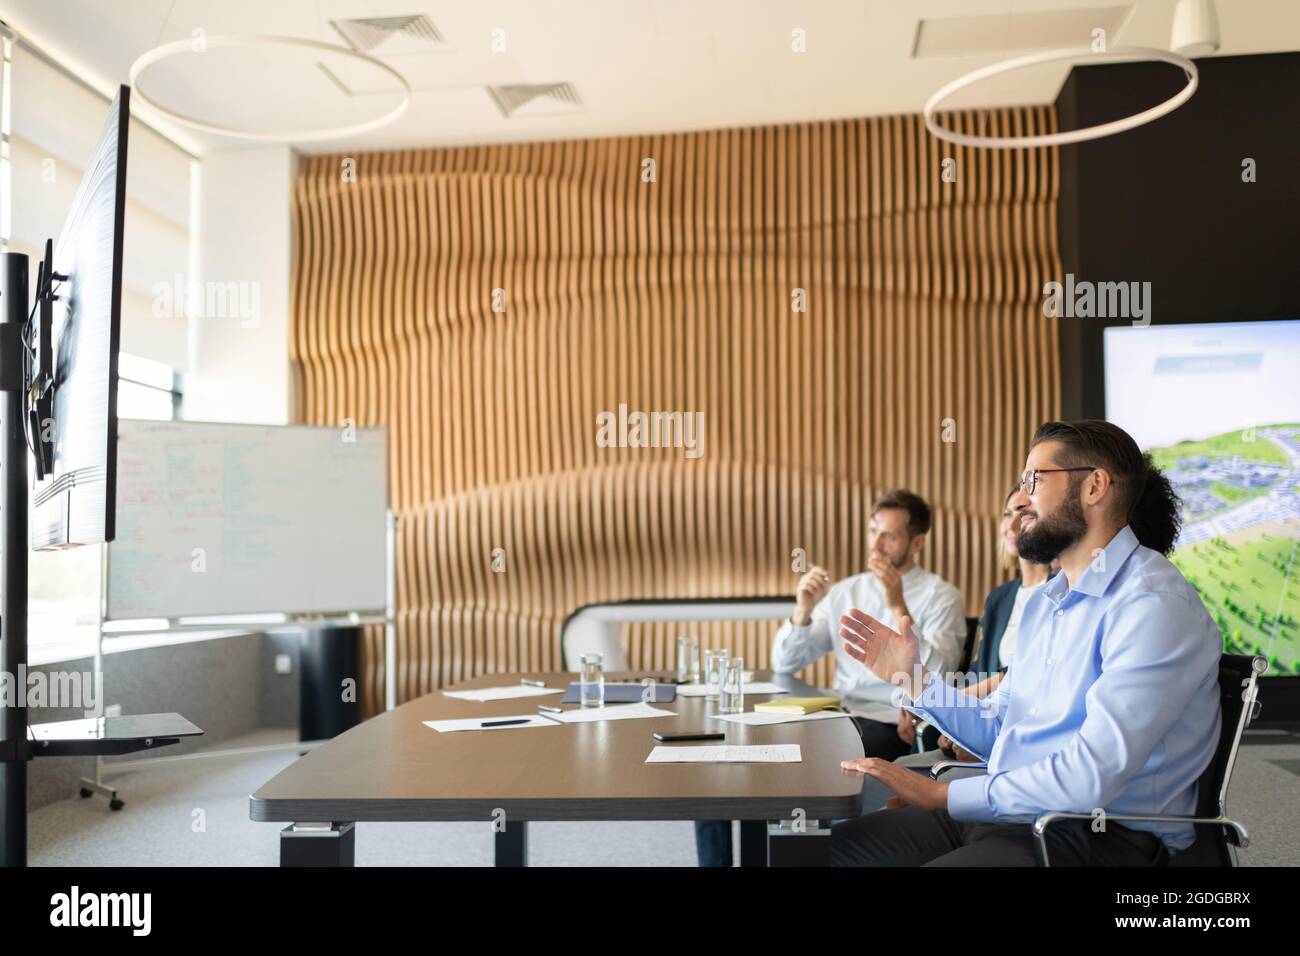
[(1218, 407)]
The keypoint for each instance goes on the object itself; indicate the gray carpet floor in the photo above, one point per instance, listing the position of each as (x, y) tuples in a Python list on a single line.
[(196, 814)]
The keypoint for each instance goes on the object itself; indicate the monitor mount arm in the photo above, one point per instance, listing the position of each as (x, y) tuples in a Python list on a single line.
[(38, 367)]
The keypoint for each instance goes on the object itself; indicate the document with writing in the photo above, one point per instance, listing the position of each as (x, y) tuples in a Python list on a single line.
[(502, 693), (762, 753), (476, 723), (616, 712)]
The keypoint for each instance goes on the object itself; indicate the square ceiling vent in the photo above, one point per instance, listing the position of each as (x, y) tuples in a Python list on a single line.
[(998, 33), (392, 36), (536, 99)]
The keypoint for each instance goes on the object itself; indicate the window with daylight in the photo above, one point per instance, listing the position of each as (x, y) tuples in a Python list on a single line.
[(55, 120)]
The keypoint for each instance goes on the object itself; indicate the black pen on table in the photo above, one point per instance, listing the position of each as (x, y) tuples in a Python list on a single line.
[(506, 723)]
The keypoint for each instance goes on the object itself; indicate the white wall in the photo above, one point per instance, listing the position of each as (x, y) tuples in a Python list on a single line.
[(239, 329)]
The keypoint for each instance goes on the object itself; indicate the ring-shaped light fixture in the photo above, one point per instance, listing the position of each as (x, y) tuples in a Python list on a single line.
[(245, 40), (1069, 136)]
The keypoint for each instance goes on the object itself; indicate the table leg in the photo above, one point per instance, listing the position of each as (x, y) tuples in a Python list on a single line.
[(511, 844), (753, 843), (318, 844)]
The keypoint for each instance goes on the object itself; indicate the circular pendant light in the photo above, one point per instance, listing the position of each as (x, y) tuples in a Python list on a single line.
[(245, 41), (1068, 136)]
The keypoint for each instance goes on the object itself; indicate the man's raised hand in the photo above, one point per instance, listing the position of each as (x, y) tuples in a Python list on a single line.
[(812, 588), (892, 656)]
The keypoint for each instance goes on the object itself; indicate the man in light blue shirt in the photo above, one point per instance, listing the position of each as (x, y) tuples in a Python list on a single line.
[(1111, 705)]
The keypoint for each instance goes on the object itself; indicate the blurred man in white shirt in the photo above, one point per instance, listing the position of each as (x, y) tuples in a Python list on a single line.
[(893, 585)]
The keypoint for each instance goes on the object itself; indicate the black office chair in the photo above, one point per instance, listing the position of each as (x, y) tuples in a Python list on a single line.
[(968, 652), (1217, 836)]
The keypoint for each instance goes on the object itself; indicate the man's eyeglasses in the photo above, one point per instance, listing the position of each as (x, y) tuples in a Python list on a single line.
[(1029, 480)]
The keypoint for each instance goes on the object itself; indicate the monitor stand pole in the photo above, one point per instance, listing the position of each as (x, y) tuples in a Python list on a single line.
[(15, 749)]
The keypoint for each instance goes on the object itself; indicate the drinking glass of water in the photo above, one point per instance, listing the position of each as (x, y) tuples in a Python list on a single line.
[(713, 661), (731, 689), (592, 676), (688, 660)]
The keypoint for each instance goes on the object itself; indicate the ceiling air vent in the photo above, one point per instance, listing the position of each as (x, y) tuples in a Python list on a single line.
[(1002, 33), (538, 99), (391, 36)]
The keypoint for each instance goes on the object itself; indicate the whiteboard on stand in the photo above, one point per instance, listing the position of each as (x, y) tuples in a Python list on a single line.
[(226, 519)]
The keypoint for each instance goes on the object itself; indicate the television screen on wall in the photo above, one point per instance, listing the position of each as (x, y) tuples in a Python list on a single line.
[(1218, 407)]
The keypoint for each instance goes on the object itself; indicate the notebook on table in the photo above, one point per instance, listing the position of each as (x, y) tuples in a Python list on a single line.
[(797, 705)]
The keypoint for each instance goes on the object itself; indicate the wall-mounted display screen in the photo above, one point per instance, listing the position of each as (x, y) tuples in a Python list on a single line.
[(1218, 407)]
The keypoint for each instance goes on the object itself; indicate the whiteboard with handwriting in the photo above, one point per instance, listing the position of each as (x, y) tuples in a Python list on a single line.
[(223, 519)]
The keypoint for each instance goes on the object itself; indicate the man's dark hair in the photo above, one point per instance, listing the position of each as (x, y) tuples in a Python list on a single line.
[(1143, 496), (918, 512)]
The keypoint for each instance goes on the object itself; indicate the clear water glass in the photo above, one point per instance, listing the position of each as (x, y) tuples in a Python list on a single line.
[(591, 691), (713, 661), (688, 660), (731, 687)]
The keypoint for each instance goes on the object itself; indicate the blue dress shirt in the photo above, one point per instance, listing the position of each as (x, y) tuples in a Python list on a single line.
[(1111, 703)]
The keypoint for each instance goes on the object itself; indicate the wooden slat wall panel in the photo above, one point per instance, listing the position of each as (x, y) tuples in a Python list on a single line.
[(923, 304)]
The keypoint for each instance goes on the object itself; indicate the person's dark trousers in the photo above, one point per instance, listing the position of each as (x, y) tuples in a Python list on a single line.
[(879, 739), (911, 836)]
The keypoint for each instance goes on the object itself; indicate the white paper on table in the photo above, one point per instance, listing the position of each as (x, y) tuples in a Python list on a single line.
[(768, 753), (503, 693), (759, 717), (757, 687), (476, 723), (611, 712)]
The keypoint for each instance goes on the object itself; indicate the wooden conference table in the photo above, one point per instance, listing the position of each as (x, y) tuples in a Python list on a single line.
[(394, 768)]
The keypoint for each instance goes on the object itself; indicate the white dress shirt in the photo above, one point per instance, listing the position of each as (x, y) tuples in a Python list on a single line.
[(938, 621), (1007, 648)]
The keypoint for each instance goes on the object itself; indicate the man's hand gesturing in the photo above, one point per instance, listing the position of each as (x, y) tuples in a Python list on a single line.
[(892, 656)]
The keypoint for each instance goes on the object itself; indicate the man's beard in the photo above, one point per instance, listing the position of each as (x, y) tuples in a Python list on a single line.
[(1043, 542), (896, 562)]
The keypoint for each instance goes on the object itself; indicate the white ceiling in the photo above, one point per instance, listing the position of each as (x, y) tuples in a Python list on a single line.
[(637, 65)]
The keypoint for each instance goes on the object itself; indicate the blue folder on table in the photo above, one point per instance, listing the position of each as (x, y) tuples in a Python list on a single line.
[(627, 693)]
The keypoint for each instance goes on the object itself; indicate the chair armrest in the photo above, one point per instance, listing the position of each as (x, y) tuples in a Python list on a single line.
[(943, 766), (1234, 831), (1239, 835)]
